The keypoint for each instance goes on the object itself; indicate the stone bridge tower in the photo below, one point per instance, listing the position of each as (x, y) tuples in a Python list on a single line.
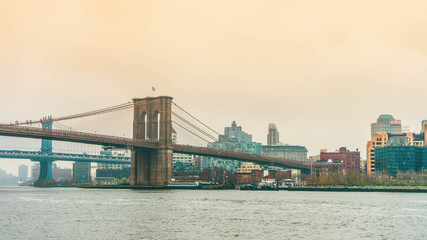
[(152, 121)]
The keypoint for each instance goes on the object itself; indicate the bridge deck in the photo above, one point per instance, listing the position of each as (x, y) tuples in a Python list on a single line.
[(72, 136), (98, 139), (259, 159)]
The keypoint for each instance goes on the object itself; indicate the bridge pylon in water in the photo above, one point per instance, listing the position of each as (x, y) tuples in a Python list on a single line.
[(45, 178), (152, 121)]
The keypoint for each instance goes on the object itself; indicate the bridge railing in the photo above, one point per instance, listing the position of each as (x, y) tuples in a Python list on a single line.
[(70, 155), (54, 134)]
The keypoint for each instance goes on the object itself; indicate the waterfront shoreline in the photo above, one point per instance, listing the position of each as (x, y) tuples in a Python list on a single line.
[(306, 188), (155, 188), (360, 189)]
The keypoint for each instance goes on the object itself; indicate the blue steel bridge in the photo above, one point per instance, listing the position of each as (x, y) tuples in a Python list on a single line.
[(39, 156), (46, 156), (46, 159)]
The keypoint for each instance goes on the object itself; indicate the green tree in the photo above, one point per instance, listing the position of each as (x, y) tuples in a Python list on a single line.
[(124, 181)]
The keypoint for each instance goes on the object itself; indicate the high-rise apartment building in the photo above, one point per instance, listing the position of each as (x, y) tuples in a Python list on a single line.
[(234, 139), (386, 123), (23, 172), (235, 134), (273, 134)]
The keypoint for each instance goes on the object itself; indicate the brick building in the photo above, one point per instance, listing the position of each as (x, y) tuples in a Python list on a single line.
[(243, 177), (326, 167), (350, 159)]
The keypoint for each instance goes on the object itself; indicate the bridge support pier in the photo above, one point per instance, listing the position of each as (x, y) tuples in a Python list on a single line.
[(152, 121), (45, 176), (45, 170), (151, 168)]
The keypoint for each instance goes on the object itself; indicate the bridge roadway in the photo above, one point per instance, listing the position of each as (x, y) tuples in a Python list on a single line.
[(98, 139), (246, 157), (36, 156)]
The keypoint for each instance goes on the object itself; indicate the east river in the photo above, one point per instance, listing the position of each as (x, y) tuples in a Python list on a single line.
[(73, 213)]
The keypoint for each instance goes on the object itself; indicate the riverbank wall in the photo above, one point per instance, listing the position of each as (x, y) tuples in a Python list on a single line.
[(360, 189)]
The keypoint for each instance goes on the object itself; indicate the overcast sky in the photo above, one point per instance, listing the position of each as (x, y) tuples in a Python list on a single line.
[(322, 71)]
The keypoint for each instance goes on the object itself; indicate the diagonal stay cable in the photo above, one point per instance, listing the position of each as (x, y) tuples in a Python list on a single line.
[(194, 126), (190, 131), (195, 118), (233, 146)]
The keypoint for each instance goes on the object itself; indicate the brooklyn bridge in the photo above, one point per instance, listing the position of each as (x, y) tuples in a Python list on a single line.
[(151, 142)]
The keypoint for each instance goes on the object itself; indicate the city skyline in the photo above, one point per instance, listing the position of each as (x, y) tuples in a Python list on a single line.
[(189, 119), (15, 163), (314, 69)]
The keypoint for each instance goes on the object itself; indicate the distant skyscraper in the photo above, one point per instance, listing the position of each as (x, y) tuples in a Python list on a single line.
[(273, 135), (386, 123), (424, 131), (234, 139), (235, 134), (423, 125), (23, 172)]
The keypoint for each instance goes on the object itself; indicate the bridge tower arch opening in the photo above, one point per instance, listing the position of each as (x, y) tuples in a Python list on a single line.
[(145, 126), (158, 125), (142, 125), (152, 121)]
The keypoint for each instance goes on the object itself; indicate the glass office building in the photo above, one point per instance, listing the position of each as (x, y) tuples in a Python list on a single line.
[(392, 159)]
